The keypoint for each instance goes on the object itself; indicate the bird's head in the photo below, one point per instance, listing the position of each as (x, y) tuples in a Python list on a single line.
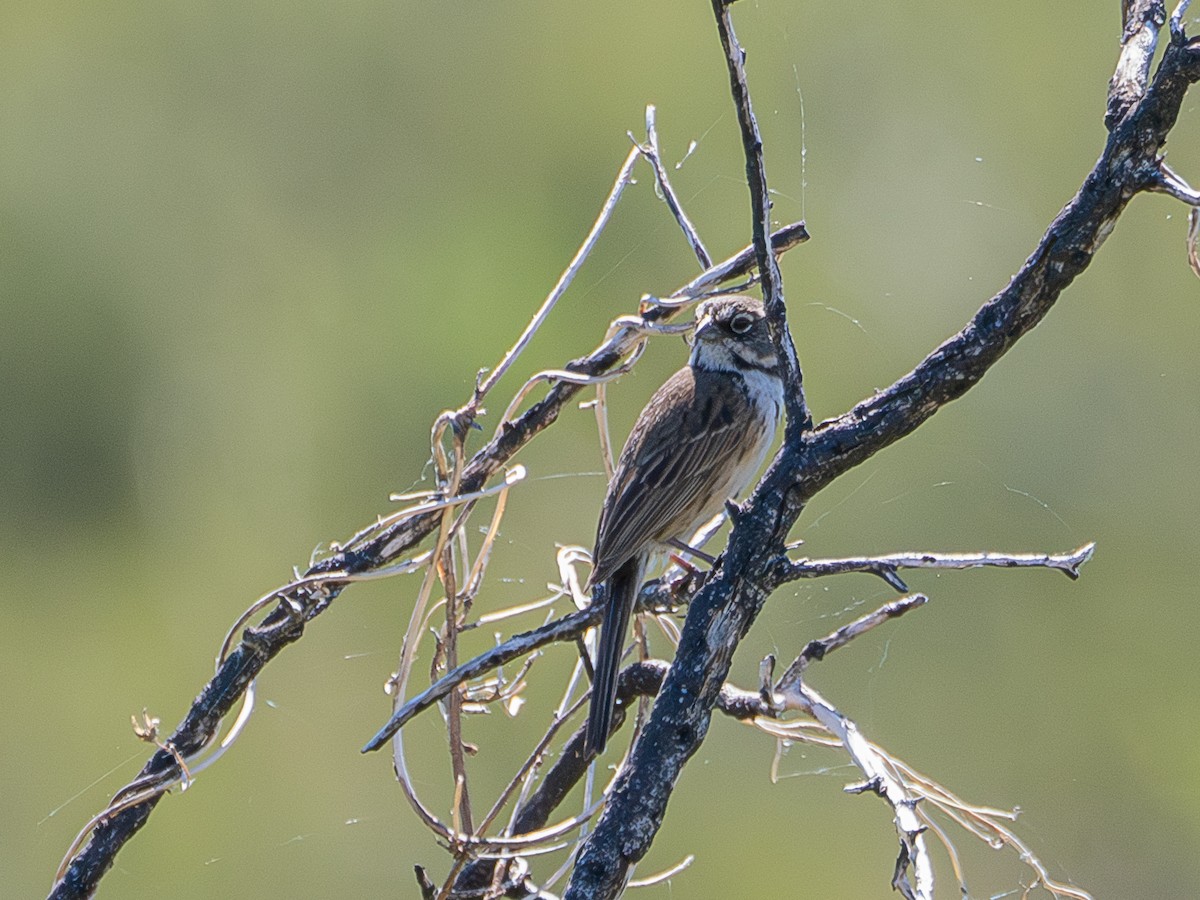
[(731, 334)]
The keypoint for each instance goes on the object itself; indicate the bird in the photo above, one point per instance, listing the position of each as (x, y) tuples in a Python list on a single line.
[(699, 442)]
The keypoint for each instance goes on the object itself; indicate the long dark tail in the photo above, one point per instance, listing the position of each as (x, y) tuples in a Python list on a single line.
[(620, 594)]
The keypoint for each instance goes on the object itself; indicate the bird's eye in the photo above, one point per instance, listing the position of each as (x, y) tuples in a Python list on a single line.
[(741, 323)]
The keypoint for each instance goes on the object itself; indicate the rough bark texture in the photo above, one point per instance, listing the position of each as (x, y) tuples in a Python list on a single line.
[(1141, 111), (727, 605)]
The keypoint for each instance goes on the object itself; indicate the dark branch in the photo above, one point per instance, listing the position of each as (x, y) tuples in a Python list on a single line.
[(645, 679), (798, 417), (726, 606), (370, 549), (1142, 114), (1139, 37), (641, 679), (655, 596), (568, 628)]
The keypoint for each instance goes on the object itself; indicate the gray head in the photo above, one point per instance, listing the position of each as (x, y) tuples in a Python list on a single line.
[(731, 334)]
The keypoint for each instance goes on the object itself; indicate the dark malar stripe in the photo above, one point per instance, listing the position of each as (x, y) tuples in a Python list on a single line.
[(757, 366)]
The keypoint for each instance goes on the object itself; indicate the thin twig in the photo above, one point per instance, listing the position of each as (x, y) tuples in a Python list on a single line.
[(1178, 34), (798, 418), (567, 628), (624, 176), (653, 155), (1166, 180), (454, 706), (885, 567), (726, 606), (817, 650), (1193, 235), (664, 875), (371, 553), (883, 781), (572, 626)]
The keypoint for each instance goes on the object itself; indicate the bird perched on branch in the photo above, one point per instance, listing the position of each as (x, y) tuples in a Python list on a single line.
[(699, 441)]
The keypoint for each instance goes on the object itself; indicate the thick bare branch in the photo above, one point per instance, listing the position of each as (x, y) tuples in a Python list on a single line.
[(1139, 37), (1142, 112), (372, 549), (727, 605), (640, 679)]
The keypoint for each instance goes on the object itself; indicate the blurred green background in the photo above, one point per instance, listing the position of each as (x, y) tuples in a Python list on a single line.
[(248, 251)]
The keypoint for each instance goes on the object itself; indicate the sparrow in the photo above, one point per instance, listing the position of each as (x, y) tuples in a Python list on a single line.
[(699, 442)]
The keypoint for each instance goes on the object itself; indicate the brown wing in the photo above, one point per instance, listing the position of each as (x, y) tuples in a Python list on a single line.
[(678, 457)]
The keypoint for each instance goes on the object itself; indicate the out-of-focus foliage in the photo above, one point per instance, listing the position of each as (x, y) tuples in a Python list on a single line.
[(248, 250)]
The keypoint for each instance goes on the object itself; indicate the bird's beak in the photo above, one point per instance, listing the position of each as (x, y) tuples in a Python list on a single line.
[(706, 329)]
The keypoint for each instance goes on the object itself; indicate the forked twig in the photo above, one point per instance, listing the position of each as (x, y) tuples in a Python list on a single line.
[(653, 155), (812, 459), (727, 605)]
